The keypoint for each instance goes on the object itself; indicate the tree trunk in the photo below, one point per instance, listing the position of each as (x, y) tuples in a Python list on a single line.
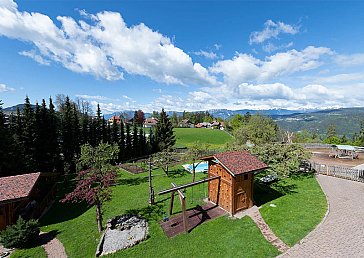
[(193, 171), (99, 216)]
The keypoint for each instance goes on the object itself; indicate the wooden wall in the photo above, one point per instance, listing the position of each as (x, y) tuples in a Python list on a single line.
[(233, 194), (7, 215)]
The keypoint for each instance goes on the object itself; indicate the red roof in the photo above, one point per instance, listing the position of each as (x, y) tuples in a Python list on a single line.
[(17, 187), (238, 162)]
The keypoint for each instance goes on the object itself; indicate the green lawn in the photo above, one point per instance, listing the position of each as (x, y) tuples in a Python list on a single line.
[(300, 206), (298, 211), (35, 252), (75, 224), (188, 136)]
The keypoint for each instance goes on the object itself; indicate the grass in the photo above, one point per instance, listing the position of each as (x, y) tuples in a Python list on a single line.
[(300, 205), (298, 211), (186, 137), (76, 228), (33, 252)]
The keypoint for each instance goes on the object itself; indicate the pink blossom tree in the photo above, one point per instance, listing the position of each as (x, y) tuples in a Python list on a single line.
[(96, 177)]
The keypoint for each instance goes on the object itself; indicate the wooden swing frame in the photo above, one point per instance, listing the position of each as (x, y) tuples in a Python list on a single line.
[(182, 197)]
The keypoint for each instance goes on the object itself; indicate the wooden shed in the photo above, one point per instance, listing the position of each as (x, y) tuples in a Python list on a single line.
[(24, 195), (234, 191)]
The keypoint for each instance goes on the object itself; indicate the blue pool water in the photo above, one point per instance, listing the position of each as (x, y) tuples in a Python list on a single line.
[(203, 166)]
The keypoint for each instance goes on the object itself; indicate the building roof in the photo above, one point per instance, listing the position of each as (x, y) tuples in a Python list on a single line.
[(151, 121), (17, 187), (345, 147), (238, 162)]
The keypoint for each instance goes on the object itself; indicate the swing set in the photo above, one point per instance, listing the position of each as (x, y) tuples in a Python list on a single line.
[(175, 188)]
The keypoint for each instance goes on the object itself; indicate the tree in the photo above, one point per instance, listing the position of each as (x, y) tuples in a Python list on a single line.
[(195, 152), (258, 130), (164, 135), (122, 142), (331, 131), (283, 159), (4, 143), (95, 179), (27, 136), (128, 143), (135, 142), (164, 159), (174, 119)]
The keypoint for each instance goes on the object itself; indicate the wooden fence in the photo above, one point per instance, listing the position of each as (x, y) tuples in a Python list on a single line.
[(337, 171), (316, 145)]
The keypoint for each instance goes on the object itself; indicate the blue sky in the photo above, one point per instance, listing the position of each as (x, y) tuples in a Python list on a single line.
[(184, 55)]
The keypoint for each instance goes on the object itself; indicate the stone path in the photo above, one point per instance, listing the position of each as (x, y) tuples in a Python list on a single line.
[(341, 234), (52, 246), (264, 228)]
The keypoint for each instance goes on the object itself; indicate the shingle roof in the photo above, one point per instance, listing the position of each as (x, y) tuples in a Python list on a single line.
[(238, 162), (17, 187)]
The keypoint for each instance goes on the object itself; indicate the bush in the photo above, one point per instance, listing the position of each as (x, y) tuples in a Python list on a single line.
[(21, 234)]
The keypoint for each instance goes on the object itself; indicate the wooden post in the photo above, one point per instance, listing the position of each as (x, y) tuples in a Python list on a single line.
[(182, 198), (151, 190), (171, 205)]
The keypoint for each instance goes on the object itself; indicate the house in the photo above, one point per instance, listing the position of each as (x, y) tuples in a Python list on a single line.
[(24, 195), (234, 190), (150, 122), (203, 125), (186, 123), (116, 118)]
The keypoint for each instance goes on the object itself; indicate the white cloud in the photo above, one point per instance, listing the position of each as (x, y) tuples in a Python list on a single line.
[(206, 54), (5, 88), (102, 45), (92, 97), (272, 30), (349, 60), (246, 68), (33, 55), (270, 47), (340, 78)]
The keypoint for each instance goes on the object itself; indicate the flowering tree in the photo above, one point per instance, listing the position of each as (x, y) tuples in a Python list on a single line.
[(96, 177)]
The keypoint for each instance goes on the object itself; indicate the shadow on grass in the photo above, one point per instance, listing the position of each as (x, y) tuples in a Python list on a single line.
[(264, 193), (46, 237), (132, 181), (152, 212), (176, 173)]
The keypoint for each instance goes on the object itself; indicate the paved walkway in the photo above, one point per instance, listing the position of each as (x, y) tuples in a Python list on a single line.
[(52, 246), (342, 232)]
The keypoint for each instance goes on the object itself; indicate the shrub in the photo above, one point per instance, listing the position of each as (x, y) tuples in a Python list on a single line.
[(21, 234)]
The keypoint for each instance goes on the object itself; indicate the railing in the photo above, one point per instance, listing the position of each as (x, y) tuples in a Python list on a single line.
[(315, 145), (337, 171)]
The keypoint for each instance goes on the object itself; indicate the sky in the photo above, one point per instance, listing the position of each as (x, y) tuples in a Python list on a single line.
[(184, 55)]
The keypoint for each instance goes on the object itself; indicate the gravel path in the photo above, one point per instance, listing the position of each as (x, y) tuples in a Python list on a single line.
[(341, 234), (53, 247)]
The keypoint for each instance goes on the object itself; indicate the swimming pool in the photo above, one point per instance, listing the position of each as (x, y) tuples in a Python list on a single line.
[(202, 167)]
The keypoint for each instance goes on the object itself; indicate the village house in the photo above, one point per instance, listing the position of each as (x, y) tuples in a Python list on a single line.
[(186, 123), (24, 195), (116, 118), (150, 122)]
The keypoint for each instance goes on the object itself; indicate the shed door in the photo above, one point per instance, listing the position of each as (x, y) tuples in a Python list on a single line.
[(213, 190), (240, 199)]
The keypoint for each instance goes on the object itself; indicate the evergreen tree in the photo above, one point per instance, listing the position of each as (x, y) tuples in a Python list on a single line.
[(164, 135), (98, 125), (141, 142), (114, 132), (4, 144), (27, 137), (135, 142), (104, 130), (128, 143), (122, 142), (67, 136), (76, 129), (52, 135)]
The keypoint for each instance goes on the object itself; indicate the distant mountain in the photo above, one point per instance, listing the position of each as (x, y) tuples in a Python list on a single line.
[(12, 109), (346, 120)]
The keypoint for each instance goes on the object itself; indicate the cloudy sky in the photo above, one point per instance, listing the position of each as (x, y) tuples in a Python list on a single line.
[(191, 55)]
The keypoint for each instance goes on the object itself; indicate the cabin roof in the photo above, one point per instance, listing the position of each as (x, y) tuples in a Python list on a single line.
[(17, 187), (238, 162)]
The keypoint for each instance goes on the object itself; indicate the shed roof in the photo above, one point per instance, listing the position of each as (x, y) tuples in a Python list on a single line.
[(238, 162), (17, 187)]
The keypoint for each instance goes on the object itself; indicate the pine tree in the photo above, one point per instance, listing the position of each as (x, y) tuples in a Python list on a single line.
[(141, 143), (104, 129), (27, 136), (128, 143), (122, 142), (4, 144), (67, 136), (135, 142), (114, 132), (52, 135), (98, 125), (164, 135)]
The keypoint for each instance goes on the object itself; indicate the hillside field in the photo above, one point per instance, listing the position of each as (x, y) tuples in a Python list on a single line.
[(188, 136)]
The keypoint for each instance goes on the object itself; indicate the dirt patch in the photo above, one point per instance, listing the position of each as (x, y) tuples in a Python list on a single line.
[(134, 169), (321, 156)]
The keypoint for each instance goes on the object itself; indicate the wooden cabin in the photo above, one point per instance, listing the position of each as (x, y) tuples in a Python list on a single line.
[(24, 195), (343, 151), (234, 190)]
